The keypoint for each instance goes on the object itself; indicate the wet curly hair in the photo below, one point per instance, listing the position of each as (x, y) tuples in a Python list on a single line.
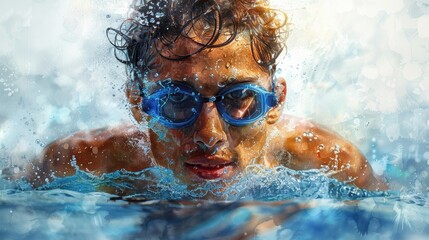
[(154, 26)]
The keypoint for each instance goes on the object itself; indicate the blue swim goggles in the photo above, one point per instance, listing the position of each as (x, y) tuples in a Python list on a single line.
[(177, 105)]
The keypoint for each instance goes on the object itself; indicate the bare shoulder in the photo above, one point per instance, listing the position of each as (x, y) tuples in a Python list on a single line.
[(295, 132), (96, 151), (310, 146), (302, 134)]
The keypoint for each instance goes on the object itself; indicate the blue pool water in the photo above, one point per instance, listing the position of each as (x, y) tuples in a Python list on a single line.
[(292, 205)]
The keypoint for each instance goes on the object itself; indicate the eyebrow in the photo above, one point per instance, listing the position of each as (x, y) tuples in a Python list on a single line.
[(238, 80), (225, 82), (220, 84)]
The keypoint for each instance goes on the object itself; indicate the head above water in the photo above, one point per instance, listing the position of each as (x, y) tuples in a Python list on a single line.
[(215, 51)]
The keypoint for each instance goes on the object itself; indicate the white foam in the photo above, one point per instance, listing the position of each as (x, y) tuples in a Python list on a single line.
[(412, 71), (423, 26)]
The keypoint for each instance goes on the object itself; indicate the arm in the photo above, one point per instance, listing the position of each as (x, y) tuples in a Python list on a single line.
[(312, 146)]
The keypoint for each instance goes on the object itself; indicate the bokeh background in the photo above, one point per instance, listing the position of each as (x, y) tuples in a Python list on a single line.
[(359, 67)]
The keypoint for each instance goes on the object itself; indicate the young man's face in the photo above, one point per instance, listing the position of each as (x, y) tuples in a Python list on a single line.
[(211, 148)]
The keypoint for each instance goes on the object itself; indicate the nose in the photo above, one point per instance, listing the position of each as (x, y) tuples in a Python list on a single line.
[(209, 132)]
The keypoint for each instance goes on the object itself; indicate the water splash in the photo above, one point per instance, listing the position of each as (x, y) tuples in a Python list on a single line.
[(256, 182)]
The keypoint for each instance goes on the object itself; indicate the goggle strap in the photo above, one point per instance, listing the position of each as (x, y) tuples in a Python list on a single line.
[(271, 100)]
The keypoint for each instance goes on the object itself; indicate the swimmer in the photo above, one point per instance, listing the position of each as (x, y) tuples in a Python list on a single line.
[(202, 82)]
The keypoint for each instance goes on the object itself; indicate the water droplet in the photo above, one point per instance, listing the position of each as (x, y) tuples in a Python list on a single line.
[(336, 150), (40, 143), (221, 84), (159, 14)]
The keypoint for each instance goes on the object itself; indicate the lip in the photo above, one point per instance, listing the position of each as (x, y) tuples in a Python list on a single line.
[(209, 167)]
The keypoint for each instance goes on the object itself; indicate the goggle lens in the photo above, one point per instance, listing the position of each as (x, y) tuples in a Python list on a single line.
[(178, 107), (241, 104)]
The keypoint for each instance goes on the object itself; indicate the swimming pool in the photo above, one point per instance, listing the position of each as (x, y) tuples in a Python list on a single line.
[(360, 68), (314, 206)]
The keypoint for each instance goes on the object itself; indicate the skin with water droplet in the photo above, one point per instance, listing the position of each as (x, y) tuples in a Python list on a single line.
[(211, 147)]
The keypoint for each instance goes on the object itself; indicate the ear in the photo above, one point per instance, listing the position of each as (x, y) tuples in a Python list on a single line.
[(281, 89), (133, 95)]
